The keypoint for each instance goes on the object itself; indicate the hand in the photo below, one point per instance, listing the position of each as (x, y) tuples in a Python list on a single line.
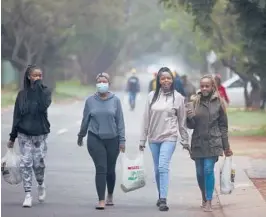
[(122, 148), (186, 147), (190, 113), (228, 152), (141, 147), (80, 141), (10, 144), (37, 83)]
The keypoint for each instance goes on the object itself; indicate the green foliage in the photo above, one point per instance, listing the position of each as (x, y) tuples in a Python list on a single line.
[(234, 29)]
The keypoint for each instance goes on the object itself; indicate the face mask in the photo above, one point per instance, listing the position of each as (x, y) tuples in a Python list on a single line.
[(102, 87)]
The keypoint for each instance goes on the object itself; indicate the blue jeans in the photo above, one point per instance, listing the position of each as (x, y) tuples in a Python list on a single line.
[(205, 176), (162, 153), (132, 98)]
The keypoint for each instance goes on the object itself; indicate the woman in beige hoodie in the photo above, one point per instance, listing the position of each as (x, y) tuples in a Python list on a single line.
[(163, 125)]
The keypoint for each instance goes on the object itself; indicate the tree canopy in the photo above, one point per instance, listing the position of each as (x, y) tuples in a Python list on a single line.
[(236, 30)]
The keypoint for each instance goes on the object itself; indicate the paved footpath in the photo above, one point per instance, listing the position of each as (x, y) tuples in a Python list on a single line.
[(70, 176)]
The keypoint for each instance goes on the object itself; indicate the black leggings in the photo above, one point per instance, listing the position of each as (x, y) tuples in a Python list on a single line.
[(104, 153)]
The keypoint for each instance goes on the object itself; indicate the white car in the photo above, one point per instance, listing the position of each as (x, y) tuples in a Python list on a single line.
[(235, 91)]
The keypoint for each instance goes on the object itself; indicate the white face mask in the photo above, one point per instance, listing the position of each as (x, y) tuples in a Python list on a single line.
[(102, 87)]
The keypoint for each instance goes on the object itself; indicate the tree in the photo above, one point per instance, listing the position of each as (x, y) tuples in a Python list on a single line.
[(228, 24), (32, 32)]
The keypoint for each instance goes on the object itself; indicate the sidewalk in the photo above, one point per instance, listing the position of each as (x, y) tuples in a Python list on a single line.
[(245, 201)]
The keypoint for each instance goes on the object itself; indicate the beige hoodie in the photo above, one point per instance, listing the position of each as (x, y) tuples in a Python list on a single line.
[(165, 120)]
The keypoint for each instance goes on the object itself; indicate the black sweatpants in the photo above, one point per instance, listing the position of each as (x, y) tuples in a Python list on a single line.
[(104, 153)]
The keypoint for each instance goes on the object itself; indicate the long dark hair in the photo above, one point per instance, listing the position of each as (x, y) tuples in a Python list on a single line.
[(158, 85), (23, 101)]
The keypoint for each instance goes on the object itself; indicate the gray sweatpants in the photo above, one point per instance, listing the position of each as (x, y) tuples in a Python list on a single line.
[(33, 151)]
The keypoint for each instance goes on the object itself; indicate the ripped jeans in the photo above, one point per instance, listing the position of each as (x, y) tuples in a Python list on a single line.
[(162, 154), (33, 150)]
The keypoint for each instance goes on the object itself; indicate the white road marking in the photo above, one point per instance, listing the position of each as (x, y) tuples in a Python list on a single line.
[(61, 131)]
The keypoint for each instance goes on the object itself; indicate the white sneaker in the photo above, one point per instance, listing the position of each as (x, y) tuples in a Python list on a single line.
[(41, 192), (27, 201)]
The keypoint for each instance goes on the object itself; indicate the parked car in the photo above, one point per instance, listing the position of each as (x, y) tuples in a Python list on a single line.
[(235, 91)]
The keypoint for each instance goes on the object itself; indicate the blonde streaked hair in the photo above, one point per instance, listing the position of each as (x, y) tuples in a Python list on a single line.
[(197, 97)]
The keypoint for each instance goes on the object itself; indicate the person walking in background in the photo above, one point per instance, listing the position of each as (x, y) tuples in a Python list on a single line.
[(206, 115), (163, 125), (133, 87), (31, 127), (179, 87), (152, 84), (189, 88), (221, 88), (103, 121)]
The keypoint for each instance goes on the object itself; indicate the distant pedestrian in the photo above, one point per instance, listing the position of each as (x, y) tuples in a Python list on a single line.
[(163, 126), (179, 87), (31, 126), (189, 88), (152, 84), (133, 88), (221, 89), (103, 121), (208, 119)]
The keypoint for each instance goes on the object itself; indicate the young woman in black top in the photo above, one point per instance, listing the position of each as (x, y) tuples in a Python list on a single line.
[(31, 127)]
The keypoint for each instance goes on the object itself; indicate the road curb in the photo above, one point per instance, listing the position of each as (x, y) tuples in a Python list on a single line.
[(245, 200)]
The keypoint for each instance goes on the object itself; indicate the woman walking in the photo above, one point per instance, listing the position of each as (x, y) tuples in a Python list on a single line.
[(104, 122), (164, 124), (207, 117), (31, 126)]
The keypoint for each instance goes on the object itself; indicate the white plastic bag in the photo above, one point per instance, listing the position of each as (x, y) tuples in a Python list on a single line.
[(227, 176), (10, 167), (133, 173)]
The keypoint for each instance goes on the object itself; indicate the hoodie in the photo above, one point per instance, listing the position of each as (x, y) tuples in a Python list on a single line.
[(103, 117), (165, 120), (30, 112)]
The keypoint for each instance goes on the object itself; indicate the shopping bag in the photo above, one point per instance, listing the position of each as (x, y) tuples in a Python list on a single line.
[(10, 167), (133, 173), (227, 176)]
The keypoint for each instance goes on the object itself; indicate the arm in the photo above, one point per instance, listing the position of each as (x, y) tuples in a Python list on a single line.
[(145, 123), (85, 120), (119, 118), (16, 119), (44, 97), (223, 126), (181, 118)]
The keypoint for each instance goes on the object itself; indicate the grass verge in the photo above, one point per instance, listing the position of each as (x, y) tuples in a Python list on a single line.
[(247, 123), (64, 91)]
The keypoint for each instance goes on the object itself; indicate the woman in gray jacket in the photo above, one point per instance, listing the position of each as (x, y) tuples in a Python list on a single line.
[(207, 117), (103, 123)]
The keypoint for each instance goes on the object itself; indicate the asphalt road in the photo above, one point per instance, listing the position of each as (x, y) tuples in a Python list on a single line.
[(70, 174)]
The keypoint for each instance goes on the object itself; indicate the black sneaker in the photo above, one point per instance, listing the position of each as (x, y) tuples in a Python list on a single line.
[(158, 203), (163, 205)]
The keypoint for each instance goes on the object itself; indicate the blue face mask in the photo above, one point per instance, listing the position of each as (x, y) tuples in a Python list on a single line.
[(102, 87)]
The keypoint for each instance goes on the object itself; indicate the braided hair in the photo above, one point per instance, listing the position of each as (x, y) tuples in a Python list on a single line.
[(104, 75), (158, 85), (23, 101)]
